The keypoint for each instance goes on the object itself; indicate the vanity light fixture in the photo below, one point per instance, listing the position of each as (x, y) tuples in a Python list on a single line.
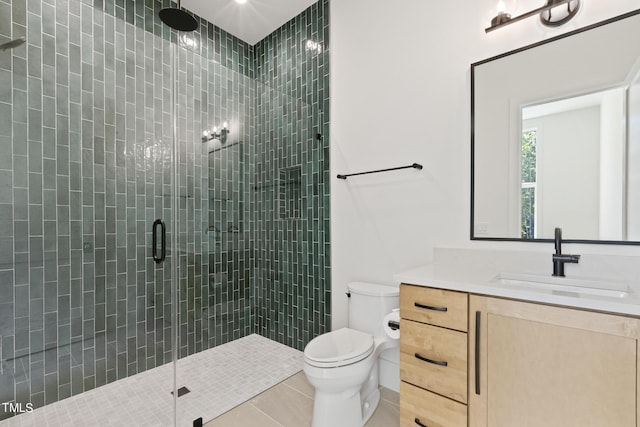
[(214, 133), (241, 1), (313, 46), (553, 14)]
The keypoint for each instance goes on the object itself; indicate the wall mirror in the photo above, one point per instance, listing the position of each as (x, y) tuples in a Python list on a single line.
[(555, 138)]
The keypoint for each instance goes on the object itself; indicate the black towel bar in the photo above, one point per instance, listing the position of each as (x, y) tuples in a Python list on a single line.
[(414, 166)]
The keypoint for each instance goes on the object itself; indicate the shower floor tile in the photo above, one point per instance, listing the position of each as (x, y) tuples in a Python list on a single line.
[(218, 380)]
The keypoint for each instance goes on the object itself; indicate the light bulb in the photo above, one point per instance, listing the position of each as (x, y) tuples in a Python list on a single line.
[(505, 9), (506, 6), (224, 125)]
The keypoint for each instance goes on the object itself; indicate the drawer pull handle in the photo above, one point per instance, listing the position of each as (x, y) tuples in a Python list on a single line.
[(425, 359), (430, 307), (417, 421), (477, 354)]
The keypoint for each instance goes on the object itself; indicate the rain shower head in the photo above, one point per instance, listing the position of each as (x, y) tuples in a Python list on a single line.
[(178, 19), (13, 43)]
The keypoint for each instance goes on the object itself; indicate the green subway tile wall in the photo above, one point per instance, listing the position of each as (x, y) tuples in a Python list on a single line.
[(291, 179), (86, 131)]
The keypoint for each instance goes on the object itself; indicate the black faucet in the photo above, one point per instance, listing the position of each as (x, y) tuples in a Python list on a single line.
[(559, 259)]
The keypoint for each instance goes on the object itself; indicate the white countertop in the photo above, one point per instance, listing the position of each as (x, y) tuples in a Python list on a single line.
[(428, 276)]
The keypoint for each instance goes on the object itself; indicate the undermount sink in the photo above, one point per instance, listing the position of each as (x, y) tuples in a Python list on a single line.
[(563, 286)]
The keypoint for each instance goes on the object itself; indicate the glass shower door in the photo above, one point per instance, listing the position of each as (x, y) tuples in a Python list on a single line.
[(213, 253), (86, 170)]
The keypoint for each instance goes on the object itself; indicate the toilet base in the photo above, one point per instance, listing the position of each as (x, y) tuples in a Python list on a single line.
[(347, 409), (369, 405), (351, 407)]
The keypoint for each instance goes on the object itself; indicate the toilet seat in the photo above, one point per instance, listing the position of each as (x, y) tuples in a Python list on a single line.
[(338, 348)]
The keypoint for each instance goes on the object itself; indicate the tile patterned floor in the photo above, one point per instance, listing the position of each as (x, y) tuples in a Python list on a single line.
[(290, 404), (219, 379)]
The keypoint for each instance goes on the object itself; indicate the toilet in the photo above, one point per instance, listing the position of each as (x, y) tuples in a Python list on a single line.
[(342, 365)]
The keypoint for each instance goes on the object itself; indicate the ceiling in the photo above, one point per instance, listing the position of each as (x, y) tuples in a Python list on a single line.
[(251, 21)]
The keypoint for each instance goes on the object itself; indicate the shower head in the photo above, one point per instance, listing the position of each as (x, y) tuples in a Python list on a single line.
[(178, 19), (13, 43)]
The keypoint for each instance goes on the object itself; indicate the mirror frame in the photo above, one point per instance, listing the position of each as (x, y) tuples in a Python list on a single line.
[(512, 52)]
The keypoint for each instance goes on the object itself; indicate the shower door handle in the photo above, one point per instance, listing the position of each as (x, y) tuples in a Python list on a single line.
[(163, 241)]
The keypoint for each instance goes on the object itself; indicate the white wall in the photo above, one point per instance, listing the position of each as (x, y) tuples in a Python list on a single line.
[(400, 94)]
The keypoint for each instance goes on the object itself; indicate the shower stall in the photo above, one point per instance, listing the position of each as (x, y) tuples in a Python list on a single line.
[(134, 234)]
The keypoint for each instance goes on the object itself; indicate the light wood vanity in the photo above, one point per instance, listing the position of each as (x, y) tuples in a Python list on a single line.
[(483, 361)]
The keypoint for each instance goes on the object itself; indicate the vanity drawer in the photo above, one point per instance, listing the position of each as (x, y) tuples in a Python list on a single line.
[(434, 306), (434, 358), (429, 409)]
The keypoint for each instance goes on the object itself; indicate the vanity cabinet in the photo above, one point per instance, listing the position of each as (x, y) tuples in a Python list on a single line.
[(433, 357), (522, 363), (539, 365)]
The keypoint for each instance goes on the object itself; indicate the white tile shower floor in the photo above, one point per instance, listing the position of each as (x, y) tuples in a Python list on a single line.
[(219, 379)]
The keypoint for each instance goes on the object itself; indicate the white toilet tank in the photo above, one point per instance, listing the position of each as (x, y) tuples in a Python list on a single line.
[(368, 304)]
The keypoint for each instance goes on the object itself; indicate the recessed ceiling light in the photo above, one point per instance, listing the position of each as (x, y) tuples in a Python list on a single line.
[(241, 1)]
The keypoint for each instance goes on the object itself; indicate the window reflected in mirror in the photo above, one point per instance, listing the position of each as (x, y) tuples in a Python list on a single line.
[(528, 174)]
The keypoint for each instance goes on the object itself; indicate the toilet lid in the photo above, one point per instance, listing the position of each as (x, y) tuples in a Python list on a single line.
[(338, 348)]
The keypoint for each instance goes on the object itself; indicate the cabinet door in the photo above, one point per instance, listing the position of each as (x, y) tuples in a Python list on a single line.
[(536, 365)]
